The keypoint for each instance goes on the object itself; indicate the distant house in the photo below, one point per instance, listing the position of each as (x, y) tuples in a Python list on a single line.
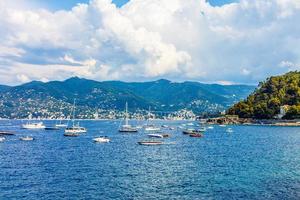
[(282, 111)]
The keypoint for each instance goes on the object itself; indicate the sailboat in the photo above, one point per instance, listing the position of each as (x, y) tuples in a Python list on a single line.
[(75, 129), (127, 128), (60, 124), (150, 127)]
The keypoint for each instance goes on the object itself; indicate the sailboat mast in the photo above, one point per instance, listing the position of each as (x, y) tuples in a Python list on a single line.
[(126, 113), (73, 118)]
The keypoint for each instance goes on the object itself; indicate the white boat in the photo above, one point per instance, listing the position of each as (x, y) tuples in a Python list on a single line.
[(2, 139), (102, 139), (222, 125), (34, 125), (75, 128), (155, 136), (150, 143), (61, 125), (202, 129), (210, 127), (229, 130), (26, 138), (151, 128), (127, 128)]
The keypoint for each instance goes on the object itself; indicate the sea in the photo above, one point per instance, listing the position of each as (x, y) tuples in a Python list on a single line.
[(251, 162)]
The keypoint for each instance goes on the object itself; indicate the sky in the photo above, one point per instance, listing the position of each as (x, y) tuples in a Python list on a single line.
[(215, 41)]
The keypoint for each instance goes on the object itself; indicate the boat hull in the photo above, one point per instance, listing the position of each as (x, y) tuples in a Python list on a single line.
[(150, 143)]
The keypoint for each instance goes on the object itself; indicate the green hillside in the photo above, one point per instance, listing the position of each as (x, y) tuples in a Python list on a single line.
[(270, 95)]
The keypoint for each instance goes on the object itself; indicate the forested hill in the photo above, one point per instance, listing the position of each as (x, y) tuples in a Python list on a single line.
[(46, 99), (270, 95)]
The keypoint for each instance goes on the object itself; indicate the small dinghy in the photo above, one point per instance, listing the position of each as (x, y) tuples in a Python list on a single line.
[(102, 139), (150, 143), (26, 138), (2, 139)]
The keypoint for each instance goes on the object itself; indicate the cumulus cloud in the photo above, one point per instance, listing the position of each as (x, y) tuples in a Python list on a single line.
[(240, 42)]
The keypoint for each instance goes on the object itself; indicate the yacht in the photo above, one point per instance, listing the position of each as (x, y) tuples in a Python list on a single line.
[(101, 139), (127, 128), (150, 127), (75, 128), (34, 125)]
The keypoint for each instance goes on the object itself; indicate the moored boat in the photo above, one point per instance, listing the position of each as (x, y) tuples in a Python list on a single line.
[(75, 128), (155, 135), (26, 138), (101, 139), (197, 135), (127, 128), (150, 143), (34, 125)]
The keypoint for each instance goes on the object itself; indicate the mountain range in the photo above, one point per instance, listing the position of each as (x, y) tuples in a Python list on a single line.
[(42, 99)]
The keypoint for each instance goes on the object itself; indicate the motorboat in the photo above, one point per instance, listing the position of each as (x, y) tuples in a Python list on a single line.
[(229, 130), (34, 125), (222, 125), (150, 143), (26, 138), (192, 131), (210, 127), (101, 139), (127, 128), (155, 135), (76, 129), (61, 125), (2, 139), (151, 128)]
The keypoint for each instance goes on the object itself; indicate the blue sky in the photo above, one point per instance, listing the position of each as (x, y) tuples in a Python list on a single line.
[(179, 40), (67, 4)]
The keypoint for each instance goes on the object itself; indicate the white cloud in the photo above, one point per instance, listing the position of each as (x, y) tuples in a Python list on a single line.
[(150, 39)]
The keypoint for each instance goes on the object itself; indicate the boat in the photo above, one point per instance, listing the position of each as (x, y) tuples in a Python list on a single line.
[(26, 138), (75, 128), (229, 130), (222, 125), (6, 133), (150, 127), (34, 125), (150, 143), (52, 128), (2, 139), (210, 127), (202, 129), (71, 134), (127, 128), (197, 135), (155, 135), (192, 131), (101, 139), (61, 125)]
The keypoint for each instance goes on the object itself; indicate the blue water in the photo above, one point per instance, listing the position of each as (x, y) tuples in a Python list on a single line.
[(253, 162)]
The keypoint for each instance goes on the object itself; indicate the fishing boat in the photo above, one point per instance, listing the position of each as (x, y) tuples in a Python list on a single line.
[(101, 139), (34, 125), (2, 139), (75, 128), (26, 138), (127, 128), (155, 135), (150, 143)]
